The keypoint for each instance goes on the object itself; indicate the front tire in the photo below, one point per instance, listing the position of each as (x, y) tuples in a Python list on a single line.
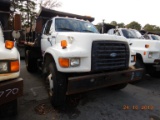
[(140, 64), (57, 84)]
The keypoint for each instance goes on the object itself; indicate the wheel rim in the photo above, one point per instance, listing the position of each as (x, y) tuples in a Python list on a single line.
[(50, 81)]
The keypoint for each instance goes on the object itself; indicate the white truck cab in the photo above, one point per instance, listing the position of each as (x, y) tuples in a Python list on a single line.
[(148, 51), (75, 58)]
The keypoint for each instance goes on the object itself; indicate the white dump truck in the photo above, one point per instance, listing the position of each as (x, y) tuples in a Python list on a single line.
[(147, 51), (75, 57)]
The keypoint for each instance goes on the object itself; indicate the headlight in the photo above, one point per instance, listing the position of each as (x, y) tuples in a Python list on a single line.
[(3, 67), (133, 58), (74, 62)]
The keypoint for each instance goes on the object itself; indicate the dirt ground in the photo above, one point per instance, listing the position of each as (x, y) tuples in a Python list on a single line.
[(139, 101)]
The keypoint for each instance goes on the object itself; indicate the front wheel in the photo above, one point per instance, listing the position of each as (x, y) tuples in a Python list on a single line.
[(140, 64), (56, 84)]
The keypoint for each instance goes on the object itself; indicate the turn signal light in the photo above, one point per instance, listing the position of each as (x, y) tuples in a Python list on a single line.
[(14, 66), (64, 62), (64, 44), (146, 46), (9, 44)]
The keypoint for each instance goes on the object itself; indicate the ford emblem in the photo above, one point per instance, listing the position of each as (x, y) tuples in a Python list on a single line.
[(113, 54)]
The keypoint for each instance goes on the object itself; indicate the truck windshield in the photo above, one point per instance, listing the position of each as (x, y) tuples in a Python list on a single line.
[(154, 37), (73, 25), (136, 34), (128, 34)]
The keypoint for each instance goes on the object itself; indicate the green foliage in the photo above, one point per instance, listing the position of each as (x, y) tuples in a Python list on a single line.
[(114, 23), (134, 25), (152, 28), (121, 25), (99, 26), (27, 10)]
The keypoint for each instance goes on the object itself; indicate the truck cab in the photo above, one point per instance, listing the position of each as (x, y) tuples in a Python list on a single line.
[(147, 51)]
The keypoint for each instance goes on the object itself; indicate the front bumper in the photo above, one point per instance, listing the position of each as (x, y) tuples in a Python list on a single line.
[(10, 90), (94, 81)]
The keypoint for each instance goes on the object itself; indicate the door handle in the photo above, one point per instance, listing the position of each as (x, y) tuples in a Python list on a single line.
[(49, 41)]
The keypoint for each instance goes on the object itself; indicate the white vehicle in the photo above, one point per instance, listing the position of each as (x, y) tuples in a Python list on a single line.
[(151, 37), (147, 51), (75, 58), (11, 86)]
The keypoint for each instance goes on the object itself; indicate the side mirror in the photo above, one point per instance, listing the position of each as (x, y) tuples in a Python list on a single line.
[(17, 22)]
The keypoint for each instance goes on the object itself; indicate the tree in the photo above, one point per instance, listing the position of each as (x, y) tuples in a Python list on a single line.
[(134, 25), (27, 9), (99, 26), (51, 3), (121, 25), (152, 28), (114, 23)]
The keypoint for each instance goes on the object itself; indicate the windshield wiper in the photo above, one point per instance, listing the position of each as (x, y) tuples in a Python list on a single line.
[(87, 31), (68, 29)]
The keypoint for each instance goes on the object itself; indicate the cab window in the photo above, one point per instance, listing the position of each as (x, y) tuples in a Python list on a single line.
[(47, 28)]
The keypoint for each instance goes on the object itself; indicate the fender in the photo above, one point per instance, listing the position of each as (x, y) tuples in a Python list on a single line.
[(57, 52)]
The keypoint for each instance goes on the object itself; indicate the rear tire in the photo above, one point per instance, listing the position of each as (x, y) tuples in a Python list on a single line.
[(31, 62), (57, 84)]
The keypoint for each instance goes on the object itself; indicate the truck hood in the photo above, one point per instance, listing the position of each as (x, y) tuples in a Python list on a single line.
[(153, 44), (81, 38)]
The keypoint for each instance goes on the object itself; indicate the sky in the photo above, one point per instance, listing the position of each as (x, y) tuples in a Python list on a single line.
[(126, 11)]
